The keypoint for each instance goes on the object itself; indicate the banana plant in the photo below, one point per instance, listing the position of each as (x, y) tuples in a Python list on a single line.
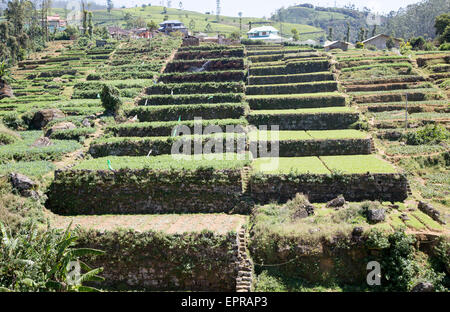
[(5, 73), (37, 260)]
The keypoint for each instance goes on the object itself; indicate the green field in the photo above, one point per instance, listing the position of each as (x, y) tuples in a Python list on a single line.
[(324, 110), (166, 162), (307, 135), (285, 165), (358, 164)]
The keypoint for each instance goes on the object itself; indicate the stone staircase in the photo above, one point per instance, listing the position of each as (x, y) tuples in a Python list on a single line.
[(244, 279)]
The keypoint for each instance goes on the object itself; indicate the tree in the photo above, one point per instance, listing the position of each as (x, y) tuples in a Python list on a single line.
[(441, 22), (85, 22), (295, 34), (240, 21), (330, 34), (374, 30), (418, 43), (347, 36), (361, 34), (390, 43), (109, 5), (218, 10), (152, 26), (446, 35), (235, 35), (110, 98), (192, 25), (208, 28), (90, 25)]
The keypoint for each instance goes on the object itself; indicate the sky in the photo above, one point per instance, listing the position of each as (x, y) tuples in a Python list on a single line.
[(261, 8)]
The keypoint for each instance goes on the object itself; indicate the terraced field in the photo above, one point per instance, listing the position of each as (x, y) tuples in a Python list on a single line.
[(211, 134), (401, 96)]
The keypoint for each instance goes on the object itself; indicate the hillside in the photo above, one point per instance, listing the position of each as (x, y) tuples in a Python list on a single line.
[(414, 20), (324, 18), (226, 26)]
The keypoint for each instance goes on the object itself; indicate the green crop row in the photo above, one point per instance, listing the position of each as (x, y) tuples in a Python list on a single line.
[(293, 88), (188, 112), (196, 88), (220, 76), (296, 78), (23, 151), (296, 101), (191, 99), (145, 129)]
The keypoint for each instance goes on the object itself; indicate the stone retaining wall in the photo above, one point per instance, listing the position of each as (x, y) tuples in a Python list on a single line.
[(164, 262), (321, 188)]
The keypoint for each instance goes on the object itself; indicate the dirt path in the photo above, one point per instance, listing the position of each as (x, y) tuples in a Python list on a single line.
[(71, 158)]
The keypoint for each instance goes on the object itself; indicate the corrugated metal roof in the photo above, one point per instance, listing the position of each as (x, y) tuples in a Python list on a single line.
[(263, 28)]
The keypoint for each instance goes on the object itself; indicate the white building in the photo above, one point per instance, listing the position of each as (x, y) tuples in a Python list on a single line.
[(266, 33)]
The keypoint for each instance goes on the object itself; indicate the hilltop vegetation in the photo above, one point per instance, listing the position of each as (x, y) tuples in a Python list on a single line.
[(413, 21)]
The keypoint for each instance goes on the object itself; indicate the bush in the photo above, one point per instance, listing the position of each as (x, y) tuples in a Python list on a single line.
[(445, 46), (110, 99), (8, 136), (418, 43), (431, 134), (360, 45)]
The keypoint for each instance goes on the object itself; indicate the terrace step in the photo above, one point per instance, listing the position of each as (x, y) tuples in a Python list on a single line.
[(365, 177), (310, 143), (195, 88), (384, 97), (398, 79), (183, 99), (171, 128), (222, 64), (155, 146), (292, 88), (306, 119), (166, 223), (210, 54), (221, 76), (298, 67), (413, 106), (296, 101), (149, 185), (188, 112), (381, 87), (283, 79)]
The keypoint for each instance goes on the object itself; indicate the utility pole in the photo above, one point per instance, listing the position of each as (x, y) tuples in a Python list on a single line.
[(218, 10), (240, 22), (406, 112)]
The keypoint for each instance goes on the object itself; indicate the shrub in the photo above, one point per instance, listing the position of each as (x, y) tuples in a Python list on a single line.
[(418, 43), (431, 134), (371, 47), (390, 43), (110, 99), (360, 45), (7, 136), (445, 46)]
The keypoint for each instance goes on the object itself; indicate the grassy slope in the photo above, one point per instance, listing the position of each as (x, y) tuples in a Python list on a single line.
[(227, 24)]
